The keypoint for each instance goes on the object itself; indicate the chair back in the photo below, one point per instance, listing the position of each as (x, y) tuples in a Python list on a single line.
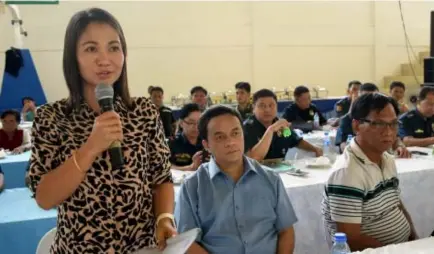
[(45, 242)]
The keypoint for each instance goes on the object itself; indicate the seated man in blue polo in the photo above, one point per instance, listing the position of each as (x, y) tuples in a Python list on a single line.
[(239, 206), (301, 114), (416, 126), (263, 131), (346, 128), (186, 147)]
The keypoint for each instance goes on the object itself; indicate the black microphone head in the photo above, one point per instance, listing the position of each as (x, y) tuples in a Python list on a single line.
[(103, 91)]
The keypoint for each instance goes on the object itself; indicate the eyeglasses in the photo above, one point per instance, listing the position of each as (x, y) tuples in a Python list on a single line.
[(191, 123), (381, 125)]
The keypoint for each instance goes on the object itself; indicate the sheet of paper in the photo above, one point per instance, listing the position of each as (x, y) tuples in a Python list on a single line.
[(180, 243)]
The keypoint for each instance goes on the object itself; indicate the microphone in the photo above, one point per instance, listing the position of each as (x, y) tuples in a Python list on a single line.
[(104, 94)]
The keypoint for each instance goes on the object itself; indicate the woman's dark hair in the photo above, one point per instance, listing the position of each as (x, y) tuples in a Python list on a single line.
[(299, 90), (263, 93), (369, 102), (187, 109), (11, 112), (74, 30), (211, 113)]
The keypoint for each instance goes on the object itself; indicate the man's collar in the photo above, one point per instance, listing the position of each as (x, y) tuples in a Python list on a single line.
[(214, 169), (358, 152)]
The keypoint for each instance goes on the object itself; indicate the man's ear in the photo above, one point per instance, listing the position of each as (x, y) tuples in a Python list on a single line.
[(355, 124), (205, 144)]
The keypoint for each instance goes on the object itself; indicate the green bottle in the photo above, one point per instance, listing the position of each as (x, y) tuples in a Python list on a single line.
[(286, 132)]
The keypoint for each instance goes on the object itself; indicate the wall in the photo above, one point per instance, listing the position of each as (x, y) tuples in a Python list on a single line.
[(180, 44)]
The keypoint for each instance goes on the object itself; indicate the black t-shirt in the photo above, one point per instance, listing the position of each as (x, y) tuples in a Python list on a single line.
[(182, 151), (167, 118), (303, 118), (253, 132)]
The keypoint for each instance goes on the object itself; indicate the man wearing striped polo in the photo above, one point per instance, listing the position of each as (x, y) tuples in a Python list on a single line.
[(361, 196)]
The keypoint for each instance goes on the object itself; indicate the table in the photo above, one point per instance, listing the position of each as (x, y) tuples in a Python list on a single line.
[(22, 222), (325, 105), (306, 195), (14, 168), (422, 246)]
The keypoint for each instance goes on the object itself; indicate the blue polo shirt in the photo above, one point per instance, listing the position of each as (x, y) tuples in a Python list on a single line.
[(235, 217)]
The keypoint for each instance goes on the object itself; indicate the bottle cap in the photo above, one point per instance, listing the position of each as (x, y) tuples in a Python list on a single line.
[(340, 237)]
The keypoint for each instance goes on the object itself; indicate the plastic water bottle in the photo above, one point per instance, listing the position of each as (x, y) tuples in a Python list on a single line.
[(349, 138), (326, 145), (340, 246), (316, 124)]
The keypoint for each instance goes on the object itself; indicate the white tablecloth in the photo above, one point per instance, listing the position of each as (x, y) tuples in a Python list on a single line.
[(416, 182), (423, 246)]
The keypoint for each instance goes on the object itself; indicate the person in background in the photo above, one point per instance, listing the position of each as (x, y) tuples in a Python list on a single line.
[(186, 148), (101, 208), (361, 196), (342, 107), (29, 109), (2, 180), (244, 106), (416, 126), (262, 131), (149, 90), (345, 127), (239, 206), (199, 95), (166, 115), (397, 91), (11, 137), (301, 113)]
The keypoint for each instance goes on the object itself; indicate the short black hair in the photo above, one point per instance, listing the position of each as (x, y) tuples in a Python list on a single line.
[(28, 98), (262, 94), (369, 87), (354, 82), (243, 85), (187, 109), (150, 89), (198, 89), (425, 91), (11, 112), (396, 84), (367, 103), (212, 112), (299, 90), (156, 89)]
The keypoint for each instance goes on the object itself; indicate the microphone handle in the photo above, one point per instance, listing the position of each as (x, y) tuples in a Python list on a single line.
[(115, 149)]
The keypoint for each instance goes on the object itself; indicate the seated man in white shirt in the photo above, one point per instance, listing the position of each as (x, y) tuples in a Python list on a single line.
[(361, 196), (240, 206)]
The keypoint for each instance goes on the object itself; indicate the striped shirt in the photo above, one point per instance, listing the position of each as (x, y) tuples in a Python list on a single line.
[(359, 191)]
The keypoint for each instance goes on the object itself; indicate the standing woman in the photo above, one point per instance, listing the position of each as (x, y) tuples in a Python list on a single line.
[(101, 209)]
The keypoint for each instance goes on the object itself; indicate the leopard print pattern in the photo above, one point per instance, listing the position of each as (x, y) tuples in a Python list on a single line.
[(111, 210)]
